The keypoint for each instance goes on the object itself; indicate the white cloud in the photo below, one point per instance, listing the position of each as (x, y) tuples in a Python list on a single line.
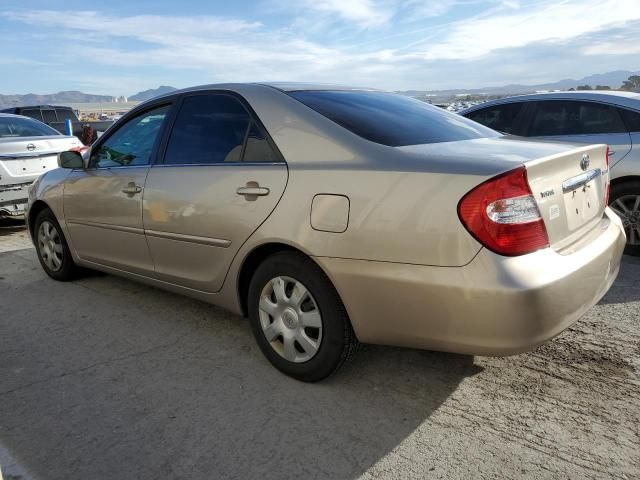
[(474, 37), (227, 49), (365, 13)]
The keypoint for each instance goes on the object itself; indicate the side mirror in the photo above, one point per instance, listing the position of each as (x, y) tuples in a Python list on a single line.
[(70, 160)]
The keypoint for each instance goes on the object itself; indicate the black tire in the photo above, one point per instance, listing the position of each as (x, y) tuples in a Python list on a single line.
[(625, 192), (67, 269), (338, 341)]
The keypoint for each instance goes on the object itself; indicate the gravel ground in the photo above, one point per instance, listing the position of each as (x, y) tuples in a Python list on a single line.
[(105, 378)]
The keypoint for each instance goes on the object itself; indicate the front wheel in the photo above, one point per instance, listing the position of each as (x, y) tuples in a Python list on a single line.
[(298, 319), (625, 201), (51, 246)]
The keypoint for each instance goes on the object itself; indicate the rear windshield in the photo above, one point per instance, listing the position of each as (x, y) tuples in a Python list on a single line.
[(24, 127), (391, 119)]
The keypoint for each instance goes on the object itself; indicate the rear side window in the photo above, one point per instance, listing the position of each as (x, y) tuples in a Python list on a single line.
[(49, 116), (502, 118), (257, 148), (64, 114), (631, 119), (562, 117), (391, 119), (24, 127), (32, 112), (208, 129)]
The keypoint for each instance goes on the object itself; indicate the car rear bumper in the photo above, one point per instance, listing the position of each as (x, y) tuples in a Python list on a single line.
[(13, 200), (495, 305)]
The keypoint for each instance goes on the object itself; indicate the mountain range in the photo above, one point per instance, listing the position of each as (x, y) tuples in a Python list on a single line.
[(613, 79)]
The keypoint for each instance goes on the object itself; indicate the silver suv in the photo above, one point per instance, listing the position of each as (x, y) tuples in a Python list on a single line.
[(590, 117)]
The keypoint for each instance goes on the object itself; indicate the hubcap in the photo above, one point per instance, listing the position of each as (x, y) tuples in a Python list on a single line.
[(628, 209), (50, 246), (290, 319)]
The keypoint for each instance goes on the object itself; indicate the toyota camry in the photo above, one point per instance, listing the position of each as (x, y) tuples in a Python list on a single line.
[(331, 216)]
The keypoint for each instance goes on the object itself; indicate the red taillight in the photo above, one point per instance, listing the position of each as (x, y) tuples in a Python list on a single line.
[(502, 215), (607, 187)]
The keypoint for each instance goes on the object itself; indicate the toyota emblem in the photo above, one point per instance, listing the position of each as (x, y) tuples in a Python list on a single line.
[(31, 147)]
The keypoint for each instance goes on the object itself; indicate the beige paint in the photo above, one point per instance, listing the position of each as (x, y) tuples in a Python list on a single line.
[(406, 269)]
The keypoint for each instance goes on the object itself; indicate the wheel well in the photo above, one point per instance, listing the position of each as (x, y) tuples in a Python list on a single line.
[(35, 209), (620, 180), (250, 264)]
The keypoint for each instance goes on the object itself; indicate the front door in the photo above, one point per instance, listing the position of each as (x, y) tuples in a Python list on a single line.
[(103, 203), (220, 179)]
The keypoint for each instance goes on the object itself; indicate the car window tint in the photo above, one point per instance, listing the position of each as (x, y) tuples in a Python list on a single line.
[(49, 115), (391, 119), (258, 148), (208, 129), (631, 119), (132, 144), (32, 112), (499, 117), (64, 114), (24, 127), (574, 118)]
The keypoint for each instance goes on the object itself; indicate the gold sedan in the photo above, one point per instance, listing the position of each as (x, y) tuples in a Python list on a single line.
[(331, 216)]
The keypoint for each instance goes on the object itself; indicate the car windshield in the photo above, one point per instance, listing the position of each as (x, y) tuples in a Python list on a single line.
[(391, 119), (24, 127)]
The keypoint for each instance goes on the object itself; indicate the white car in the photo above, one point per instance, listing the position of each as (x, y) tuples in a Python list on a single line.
[(28, 148)]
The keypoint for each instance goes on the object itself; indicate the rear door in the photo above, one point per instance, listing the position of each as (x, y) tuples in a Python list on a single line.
[(103, 203), (578, 121), (220, 179)]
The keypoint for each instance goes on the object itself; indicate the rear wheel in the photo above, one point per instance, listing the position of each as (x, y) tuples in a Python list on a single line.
[(51, 246), (625, 201), (298, 319)]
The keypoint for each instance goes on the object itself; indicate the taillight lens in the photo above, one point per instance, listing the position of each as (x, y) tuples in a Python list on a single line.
[(607, 188), (502, 215)]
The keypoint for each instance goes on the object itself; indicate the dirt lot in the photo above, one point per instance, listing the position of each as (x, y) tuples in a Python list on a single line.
[(104, 378)]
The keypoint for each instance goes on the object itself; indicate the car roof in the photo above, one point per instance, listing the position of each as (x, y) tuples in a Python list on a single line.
[(623, 99), (282, 86)]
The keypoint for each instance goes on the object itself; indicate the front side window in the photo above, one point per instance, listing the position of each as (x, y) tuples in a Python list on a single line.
[(391, 119), (132, 144), (565, 117), (502, 118), (24, 127), (208, 129)]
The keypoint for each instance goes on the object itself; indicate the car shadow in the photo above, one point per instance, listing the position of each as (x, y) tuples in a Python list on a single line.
[(627, 286), (10, 226), (119, 380)]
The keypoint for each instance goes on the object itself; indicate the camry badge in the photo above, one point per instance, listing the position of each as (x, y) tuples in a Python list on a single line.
[(584, 163)]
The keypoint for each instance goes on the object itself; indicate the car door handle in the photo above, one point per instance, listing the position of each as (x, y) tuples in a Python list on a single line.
[(252, 189), (132, 189)]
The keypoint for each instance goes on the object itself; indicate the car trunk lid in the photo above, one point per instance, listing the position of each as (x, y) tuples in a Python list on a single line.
[(25, 157), (570, 190)]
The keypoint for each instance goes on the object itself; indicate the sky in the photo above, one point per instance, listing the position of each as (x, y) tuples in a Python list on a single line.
[(117, 47)]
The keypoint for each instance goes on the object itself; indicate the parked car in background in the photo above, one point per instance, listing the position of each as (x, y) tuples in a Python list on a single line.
[(56, 116), (331, 215), (28, 148), (589, 117)]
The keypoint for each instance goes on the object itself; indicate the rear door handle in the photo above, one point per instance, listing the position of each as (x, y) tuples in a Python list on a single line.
[(252, 189), (132, 189)]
